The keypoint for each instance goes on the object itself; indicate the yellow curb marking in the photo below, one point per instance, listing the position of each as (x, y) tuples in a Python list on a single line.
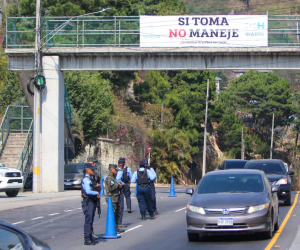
[(277, 234)]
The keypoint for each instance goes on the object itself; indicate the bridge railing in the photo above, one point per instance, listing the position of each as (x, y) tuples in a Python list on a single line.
[(117, 31), (78, 32)]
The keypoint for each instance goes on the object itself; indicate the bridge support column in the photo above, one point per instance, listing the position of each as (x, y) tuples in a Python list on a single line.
[(52, 128)]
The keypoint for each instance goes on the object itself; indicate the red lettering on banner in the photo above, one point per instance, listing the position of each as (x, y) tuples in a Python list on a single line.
[(182, 33), (174, 33)]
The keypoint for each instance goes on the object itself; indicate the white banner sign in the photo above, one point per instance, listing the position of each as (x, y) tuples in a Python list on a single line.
[(204, 31)]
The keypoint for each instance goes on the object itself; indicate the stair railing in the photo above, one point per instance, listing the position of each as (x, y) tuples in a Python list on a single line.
[(25, 159), (4, 130)]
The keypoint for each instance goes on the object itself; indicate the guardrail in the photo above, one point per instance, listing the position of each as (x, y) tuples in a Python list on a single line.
[(116, 31)]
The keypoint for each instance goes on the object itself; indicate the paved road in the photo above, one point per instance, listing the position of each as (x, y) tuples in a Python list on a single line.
[(58, 220)]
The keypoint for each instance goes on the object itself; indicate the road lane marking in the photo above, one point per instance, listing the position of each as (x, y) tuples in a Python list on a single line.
[(18, 222), (132, 229), (279, 231), (79, 208), (179, 209), (178, 189), (37, 218), (68, 211), (103, 203), (53, 214)]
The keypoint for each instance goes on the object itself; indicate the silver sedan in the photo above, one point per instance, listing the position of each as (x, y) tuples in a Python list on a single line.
[(232, 201)]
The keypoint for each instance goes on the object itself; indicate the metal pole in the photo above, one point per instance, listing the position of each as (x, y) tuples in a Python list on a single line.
[(243, 149), (205, 126), (149, 156), (271, 149), (37, 170)]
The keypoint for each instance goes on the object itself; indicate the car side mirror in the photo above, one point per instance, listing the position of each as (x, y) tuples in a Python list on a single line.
[(275, 189), (220, 167), (189, 191), (291, 173)]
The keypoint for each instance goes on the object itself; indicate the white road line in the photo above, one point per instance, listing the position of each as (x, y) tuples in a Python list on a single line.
[(53, 214), (179, 209), (18, 222), (79, 208), (132, 228), (178, 189), (68, 211), (103, 203), (37, 218)]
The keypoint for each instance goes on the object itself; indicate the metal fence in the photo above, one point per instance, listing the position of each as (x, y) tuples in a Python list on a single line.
[(117, 31)]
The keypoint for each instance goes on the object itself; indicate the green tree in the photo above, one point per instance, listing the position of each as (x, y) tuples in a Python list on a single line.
[(10, 86), (91, 97), (170, 153), (260, 95)]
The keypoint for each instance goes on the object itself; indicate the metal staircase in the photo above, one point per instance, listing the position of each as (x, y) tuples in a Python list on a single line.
[(16, 138)]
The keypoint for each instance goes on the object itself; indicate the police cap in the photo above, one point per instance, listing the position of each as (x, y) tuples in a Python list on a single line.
[(143, 162), (112, 166), (121, 161), (89, 165)]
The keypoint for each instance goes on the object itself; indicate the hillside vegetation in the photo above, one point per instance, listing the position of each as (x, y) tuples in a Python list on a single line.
[(251, 7)]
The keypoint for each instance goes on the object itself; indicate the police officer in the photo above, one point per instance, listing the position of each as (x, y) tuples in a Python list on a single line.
[(153, 193), (88, 203), (127, 175), (142, 177), (113, 187), (120, 178)]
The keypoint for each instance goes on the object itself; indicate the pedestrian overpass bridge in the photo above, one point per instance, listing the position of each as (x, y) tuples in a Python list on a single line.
[(112, 43)]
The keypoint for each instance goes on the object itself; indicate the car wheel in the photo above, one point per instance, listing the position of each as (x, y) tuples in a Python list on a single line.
[(268, 235), (277, 224), (288, 202), (12, 193), (193, 236)]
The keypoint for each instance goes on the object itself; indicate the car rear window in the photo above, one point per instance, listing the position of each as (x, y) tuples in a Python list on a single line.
[(231, 183), (235, 164), (74, 168), (267, 167)]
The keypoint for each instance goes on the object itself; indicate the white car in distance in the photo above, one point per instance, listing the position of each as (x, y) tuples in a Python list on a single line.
[(11, 181)]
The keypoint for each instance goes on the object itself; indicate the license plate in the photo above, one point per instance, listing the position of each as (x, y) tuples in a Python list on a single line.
[(68, 183), (225, 222)]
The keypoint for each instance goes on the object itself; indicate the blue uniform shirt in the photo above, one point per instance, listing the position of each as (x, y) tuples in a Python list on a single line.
[(152, 171), (86, 185), (129, 173), (150, 174), (119, 176)]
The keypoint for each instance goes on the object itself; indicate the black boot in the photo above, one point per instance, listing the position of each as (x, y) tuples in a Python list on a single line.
[(156, 212), (89, 242), (129, 210), (143, 217)]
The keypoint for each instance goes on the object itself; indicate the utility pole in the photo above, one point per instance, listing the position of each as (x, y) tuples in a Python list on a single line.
[(37, 170), (271, 149), (205, 128), (243, 146)]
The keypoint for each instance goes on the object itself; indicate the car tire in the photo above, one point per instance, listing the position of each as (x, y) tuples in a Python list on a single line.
[(269, 234), (277, 224), (12, 193), (288, 202), (193, 236)]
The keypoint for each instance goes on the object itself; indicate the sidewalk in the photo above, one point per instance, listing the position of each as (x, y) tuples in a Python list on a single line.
[(25, 199)]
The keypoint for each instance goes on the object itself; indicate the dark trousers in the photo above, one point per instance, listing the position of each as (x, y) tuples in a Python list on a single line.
[(121, 203), (116, 208), (153, 196), (144, 199), (127, 194), (89, 213)]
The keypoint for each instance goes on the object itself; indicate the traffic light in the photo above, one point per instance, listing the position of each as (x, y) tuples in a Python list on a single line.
[(40, 82)]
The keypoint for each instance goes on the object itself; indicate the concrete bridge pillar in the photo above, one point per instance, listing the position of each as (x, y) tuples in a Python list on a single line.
[(52, 128)]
